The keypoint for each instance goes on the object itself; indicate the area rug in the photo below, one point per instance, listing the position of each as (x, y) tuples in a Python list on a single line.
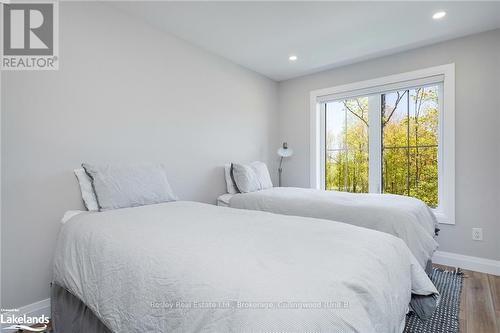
[(445, 317)]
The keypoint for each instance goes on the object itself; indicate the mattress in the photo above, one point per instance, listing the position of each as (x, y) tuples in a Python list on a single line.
[(224, 200), (189, 267), (404, 217)]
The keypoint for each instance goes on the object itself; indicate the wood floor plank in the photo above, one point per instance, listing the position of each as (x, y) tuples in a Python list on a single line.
[(462, 315), (482, 291), (481, 316), (495, 294)]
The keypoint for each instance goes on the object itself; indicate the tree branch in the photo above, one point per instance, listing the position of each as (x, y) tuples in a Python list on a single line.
[(361, 108), (354, 113), (400, 97)]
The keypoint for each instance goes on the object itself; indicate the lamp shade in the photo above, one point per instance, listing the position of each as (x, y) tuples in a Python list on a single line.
[(285, 152)]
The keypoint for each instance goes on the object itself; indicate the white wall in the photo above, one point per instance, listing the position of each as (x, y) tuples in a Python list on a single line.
[(477, 60), (125, 92)]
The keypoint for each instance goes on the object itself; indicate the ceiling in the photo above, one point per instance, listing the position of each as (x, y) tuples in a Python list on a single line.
[(262, 35)]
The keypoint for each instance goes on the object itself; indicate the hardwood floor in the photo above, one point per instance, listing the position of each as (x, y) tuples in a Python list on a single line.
[(479, 303)]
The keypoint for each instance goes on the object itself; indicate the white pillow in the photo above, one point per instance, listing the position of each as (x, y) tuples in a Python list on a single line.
[(252, 177), (230, 186), (122, 186), (245, 178), (260, 169), (87, 190)]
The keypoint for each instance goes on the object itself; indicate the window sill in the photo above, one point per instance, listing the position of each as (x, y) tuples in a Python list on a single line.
[(442, 218)]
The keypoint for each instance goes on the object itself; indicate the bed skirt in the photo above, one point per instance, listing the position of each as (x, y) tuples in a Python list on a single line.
[(428, 267), (70, 314)]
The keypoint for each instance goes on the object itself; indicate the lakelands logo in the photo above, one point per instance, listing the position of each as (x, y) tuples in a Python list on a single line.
[(30, 35), (24, 322)]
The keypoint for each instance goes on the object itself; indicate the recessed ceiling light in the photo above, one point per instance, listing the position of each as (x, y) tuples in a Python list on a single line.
[(439, 15), (292, 58)]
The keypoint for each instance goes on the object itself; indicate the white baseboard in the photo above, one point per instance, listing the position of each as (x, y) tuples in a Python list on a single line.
[(36, 309), (467, 262)]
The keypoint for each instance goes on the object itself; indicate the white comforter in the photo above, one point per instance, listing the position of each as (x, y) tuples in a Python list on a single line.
[(404, 217), (133, 266)]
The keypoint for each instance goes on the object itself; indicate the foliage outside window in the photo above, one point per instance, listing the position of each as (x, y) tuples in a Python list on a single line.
[(409, 143)]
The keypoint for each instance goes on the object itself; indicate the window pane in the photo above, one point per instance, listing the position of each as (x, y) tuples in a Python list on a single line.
[(347, 145), (395, 171), (410, 143), (424, 175), (423, 112), (335, 125), (335, 168), (357, 171), (395, 119), (356, 123)]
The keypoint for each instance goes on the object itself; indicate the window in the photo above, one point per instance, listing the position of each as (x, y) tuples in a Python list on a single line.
[(346, 161), (410, 120), (388, 135)]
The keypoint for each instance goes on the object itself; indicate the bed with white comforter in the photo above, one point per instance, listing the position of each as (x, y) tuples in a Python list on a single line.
[(407, 218), (190, 267)]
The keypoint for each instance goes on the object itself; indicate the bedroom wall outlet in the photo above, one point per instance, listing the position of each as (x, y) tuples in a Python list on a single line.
[(477, 234)]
